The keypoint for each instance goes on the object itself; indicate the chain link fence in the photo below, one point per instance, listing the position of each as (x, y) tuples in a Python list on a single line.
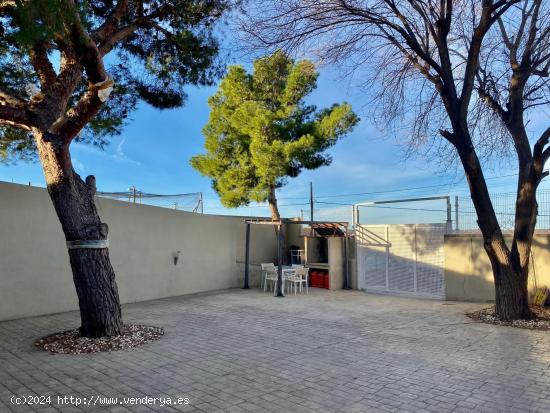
[(192, 202), (505, 207)]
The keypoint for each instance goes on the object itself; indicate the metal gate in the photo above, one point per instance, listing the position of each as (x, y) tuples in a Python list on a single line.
[(405, 259)]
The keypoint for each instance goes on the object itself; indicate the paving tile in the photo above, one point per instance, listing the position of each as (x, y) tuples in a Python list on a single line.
[(246, 351)]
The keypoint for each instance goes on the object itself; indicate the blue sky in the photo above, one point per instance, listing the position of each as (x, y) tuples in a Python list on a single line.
[(153, 154)]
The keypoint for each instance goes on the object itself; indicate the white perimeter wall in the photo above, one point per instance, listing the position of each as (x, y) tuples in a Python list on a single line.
[(35, 275)]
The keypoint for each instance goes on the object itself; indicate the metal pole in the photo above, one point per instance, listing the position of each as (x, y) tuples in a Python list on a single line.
[(387, 260), (247, 257), (449, 214), (311, 208), (456, 213), (279, 289), (415, 255), (202, 205), (134, 192)]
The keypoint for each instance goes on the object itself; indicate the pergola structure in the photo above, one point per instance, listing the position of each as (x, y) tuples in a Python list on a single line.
[(323, 228)]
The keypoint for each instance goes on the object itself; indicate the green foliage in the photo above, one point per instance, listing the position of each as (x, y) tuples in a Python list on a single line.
[(16, 144), (175, 49), (261, 132)]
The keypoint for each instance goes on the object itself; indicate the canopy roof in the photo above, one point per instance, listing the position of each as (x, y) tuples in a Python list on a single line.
[(320, 228)]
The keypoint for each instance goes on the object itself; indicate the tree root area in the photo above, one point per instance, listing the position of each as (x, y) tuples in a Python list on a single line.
[(71, 342), (540, 321)]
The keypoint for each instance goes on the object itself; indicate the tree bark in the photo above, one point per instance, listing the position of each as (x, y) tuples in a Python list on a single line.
[(275, 216), (281, 239), (511, 296), (510, 266), (272, 201), (93, 275)]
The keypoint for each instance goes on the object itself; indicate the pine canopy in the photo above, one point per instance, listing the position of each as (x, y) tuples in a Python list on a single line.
[(152, 50), (260, 131)]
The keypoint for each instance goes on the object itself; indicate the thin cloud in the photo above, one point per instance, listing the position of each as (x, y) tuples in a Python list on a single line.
[(118, 155), (79, 166)]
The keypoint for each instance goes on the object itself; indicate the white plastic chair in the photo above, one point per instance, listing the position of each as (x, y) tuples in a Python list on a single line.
[(293, 274), (300, 277), (269, 273)]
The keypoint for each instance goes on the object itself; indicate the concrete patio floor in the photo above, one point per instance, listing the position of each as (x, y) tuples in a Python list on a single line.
[(246, 351)]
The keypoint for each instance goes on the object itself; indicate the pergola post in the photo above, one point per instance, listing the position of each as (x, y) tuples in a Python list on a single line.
[(279, 289), (346, 260), (247, 257)]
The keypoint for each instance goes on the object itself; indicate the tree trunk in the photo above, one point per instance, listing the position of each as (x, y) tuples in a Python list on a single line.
[(93, 275), (281, 239), (275, 216), (511, 298), (272, 201), (510, 267)]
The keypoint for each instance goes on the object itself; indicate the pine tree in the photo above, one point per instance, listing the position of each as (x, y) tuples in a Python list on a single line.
[(261, 132), (74, 71)]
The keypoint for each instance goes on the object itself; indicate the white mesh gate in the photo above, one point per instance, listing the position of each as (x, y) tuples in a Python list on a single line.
[(403, 259)]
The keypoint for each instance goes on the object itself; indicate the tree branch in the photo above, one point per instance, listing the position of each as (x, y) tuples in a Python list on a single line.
[(541, 155), (7, 99), (42, 65), (70, 124), (19, 117), (493, 104), (474, 50), (110, 26), (106, 46), (86, 49)]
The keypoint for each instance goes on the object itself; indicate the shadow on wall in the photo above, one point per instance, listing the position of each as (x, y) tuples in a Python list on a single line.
[(467, 270), (156, 252), (415, 261), (468, 273), (263, 249)]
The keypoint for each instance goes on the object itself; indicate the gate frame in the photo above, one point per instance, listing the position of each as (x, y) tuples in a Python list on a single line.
[(366, 238), (356, 226), (355, 218)]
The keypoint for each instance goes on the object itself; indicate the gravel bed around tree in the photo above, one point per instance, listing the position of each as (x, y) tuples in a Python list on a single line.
[(541, 320), (70, 341)]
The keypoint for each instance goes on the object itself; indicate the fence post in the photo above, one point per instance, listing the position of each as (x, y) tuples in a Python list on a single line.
[(456, 214), (449, 214)]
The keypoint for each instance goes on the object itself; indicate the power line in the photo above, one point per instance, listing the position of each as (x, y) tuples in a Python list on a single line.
[(396, 190), (388, 191), (385, 207), (258, 206)]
